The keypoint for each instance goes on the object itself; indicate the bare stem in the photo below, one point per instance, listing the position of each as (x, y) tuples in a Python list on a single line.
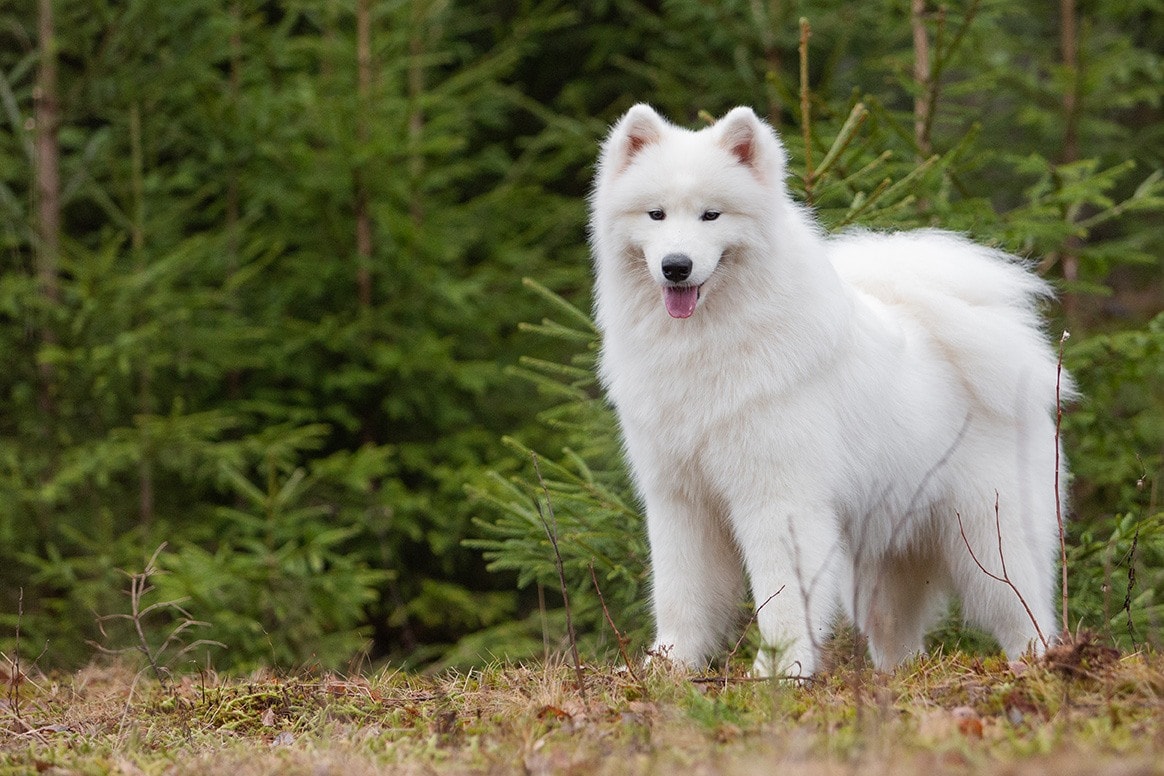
[(1005, 578), (923, 76), (551, 532), (622, 640), (805, 113), (744, 635), (14, 680), (1058, 495), (1131, 585)]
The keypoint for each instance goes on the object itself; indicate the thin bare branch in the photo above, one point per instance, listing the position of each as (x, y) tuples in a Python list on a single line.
[(552, 533), (1058, 495), (755, 616), (923, 102), (17, 675), (1131, 585), (805, 111), (1005, 578), (619, 638)]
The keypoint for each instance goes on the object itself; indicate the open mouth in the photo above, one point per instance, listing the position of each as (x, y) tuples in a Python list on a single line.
[(680, 300)]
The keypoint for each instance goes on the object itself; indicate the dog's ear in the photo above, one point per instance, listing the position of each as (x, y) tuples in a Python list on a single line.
[(749, 140), (739, 134), (639, 128)]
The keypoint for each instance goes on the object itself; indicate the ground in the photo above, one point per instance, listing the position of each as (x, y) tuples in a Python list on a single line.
[(1087, 710)]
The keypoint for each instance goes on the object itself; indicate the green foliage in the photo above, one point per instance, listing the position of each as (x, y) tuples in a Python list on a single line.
[(1116, 437), (583, 486), (279, 575), (212, 374)]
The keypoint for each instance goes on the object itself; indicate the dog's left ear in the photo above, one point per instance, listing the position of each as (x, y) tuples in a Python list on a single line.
[(746, 138)]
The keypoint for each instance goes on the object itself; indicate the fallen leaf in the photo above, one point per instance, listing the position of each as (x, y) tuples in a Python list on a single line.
[(545, 712), (9, 675), (1080, 655), (969, 723), (939, 724)]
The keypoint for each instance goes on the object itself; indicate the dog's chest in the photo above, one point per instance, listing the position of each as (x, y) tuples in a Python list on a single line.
[(691, 400)]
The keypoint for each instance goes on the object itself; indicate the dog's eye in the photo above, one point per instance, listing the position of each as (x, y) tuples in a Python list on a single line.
[(709, 215), (656, 215)]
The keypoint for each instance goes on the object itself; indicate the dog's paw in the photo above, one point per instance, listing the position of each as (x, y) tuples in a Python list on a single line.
[(781, 664)]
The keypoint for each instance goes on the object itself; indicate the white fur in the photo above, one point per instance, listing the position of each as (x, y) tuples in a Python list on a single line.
[(826, 414)]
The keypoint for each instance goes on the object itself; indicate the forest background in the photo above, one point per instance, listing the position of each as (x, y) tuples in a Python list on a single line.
[(263, 324)]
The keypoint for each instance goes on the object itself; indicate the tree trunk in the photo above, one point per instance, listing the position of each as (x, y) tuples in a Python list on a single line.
[(416, 113), (1069, 50), (235, 88), (363, 101), (46, 122), (922, 75), (767, 18), (144, 379), (233, 195)]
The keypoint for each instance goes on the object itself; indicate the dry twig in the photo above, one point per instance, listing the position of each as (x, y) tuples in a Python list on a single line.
[(755, 616), (1058, 496), (1005, 578), (622, 640), (552, 533)]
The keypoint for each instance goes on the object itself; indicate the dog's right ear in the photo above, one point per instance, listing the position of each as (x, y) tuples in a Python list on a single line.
[(639, 128)]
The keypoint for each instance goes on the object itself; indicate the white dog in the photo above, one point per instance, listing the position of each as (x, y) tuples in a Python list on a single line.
[(845, 418)]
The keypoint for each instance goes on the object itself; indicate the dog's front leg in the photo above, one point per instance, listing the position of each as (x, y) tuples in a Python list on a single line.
[(696, 577), (791, 553)]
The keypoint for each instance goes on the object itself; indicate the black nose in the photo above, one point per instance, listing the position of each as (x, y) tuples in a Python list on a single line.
[(676, 267)]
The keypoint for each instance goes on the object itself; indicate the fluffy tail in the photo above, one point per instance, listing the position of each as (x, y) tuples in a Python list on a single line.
[(980, 305)]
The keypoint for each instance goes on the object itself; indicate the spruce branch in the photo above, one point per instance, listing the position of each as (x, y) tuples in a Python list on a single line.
[(139, 588)]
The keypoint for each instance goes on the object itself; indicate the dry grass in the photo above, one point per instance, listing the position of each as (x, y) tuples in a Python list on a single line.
[(1086, 710)]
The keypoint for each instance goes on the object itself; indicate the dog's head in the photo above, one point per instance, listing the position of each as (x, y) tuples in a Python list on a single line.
[(685, 202)]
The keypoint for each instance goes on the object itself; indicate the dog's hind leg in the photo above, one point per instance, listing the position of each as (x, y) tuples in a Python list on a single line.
[(1006, 586), (896, 605)]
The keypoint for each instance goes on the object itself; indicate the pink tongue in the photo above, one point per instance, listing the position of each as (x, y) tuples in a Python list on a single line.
[(680, 300)]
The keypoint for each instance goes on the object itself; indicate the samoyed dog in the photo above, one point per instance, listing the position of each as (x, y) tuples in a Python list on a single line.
[(862, 423)]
